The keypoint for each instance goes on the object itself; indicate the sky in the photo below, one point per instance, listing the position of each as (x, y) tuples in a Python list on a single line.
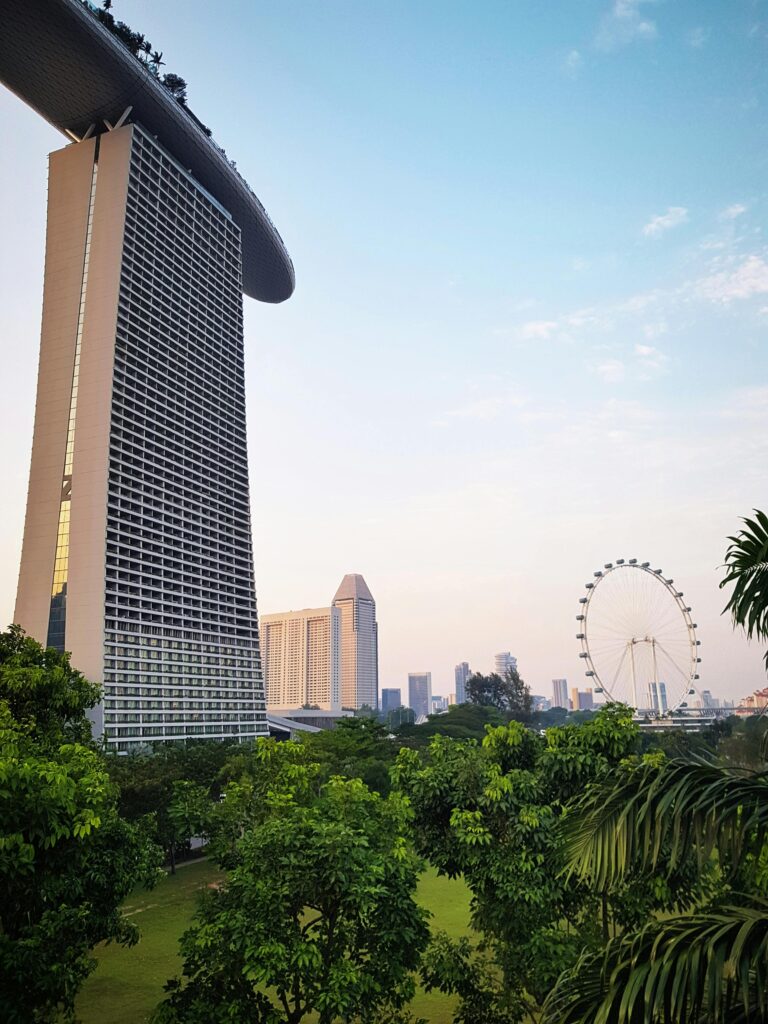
[(529, 329)]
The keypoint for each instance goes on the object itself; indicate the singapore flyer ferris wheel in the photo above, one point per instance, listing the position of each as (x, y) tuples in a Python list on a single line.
[(638, 638)]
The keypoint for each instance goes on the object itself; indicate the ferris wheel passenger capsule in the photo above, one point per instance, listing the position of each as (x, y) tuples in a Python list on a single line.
[(582, 600), (646, 565), (608, 565), (590, 673), (633, 561), (583, 654), (619, 561)]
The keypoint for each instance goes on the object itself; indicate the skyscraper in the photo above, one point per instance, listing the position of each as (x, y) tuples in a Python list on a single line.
[(503, 661), (582, 700), (137, 540), (359, 643), (462, 674), (420, 693), (391, 699), (560, 693), (300, 653), (657, 697)]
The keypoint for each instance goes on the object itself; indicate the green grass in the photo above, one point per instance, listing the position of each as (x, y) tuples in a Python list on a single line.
[(128, 983)]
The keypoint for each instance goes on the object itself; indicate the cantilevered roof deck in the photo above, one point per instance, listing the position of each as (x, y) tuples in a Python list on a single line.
[(57, 57)]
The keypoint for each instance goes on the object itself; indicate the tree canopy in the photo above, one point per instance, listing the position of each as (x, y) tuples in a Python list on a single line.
[(67, 859), (507, 693), (317, 914)]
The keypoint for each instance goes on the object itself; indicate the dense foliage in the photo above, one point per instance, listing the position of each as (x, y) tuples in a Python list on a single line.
[(508, 693), (317, 914), (67, 859)]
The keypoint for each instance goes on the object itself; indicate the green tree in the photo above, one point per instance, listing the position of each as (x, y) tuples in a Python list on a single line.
[(707, 964), (358, 748), (147, 782), (508, 693), (316, 916), (461, 722), (67, 860), (492, 813)]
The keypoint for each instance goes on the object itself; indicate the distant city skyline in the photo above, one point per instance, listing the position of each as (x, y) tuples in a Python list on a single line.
[(538, 310)]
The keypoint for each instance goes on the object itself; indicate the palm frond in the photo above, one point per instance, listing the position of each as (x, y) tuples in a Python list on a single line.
[(747, 563), (704, 967), (655, 816)]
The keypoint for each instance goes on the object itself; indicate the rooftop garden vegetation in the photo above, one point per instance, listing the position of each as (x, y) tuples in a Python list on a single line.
[(142, 49)]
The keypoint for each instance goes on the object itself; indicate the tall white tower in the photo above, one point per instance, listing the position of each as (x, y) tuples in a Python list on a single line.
[(503, 661), (359, 643)]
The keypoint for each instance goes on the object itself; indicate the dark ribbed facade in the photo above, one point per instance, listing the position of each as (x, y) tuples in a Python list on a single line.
[(181, 632), (152, 579)]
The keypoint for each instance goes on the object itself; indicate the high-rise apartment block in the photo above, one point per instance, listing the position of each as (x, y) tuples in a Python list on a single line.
[(300, 654), (420, 693), (359, 643), (461, 674), (657, 697), (504, 661), (137, 541), (560, 693), (582, 700), (391, 699)]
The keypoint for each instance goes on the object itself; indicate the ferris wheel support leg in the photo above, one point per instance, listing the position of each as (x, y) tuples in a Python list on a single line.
[(634, 678)]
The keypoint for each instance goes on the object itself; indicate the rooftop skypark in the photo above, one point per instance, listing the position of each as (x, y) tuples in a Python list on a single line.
[(80, 72)]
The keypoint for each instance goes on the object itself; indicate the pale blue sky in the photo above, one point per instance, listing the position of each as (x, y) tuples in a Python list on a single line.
[(529, 329)]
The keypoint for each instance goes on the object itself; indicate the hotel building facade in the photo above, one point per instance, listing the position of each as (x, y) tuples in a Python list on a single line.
[(300, 653), (137, 553)]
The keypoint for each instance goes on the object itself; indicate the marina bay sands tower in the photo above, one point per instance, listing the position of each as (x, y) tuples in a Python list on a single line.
[(137, 550)]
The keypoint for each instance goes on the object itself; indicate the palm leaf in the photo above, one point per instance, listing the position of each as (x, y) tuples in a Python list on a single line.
[(704, 967), (655, 816), (747, 562)]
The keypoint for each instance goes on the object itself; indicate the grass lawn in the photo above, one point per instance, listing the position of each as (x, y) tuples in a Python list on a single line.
[(128, 983)]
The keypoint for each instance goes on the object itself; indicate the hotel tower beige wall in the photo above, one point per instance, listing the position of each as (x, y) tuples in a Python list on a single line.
[(69, 188)]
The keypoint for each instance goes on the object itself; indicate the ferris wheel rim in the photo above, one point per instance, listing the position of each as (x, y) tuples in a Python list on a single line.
[(693, 660)]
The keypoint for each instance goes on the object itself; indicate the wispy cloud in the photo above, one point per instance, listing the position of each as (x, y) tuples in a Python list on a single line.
[(612, 371), (573, 63), (733, 211), (697, 37), (539, 330), (623, 24), (650, 361), (664, 221), (488, 408), (748, 279)]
